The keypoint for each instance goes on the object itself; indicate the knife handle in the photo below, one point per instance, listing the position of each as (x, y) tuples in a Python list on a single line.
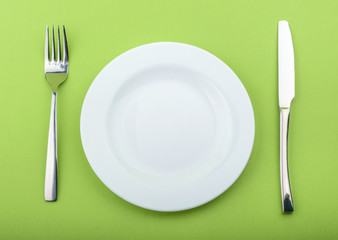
[(284, 173)]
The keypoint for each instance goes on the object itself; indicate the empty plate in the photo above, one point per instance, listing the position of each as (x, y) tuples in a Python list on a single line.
[(167, 126)]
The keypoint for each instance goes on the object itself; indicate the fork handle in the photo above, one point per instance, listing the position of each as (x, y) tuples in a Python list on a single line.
[(284, 173), (51, 164)]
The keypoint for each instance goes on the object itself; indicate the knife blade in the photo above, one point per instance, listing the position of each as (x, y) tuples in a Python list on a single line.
[(286, 92), (286, 66)]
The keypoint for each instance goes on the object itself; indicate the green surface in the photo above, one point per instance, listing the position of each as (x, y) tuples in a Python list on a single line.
[(241, 33)]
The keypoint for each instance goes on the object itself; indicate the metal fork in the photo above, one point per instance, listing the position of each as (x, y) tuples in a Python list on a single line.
[(56, 72)]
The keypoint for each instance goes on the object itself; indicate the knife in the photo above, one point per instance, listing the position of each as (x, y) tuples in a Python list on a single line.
[(286, 92)]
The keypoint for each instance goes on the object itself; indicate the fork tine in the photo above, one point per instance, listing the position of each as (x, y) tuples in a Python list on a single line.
[(47, 46), (53, 45), (65, 47), (59, 46)]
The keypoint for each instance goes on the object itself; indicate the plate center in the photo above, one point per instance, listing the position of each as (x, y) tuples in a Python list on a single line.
[(164, 123)]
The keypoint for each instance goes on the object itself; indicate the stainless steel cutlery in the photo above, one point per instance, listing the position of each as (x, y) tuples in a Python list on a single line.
[(286, 92), (56, 72)]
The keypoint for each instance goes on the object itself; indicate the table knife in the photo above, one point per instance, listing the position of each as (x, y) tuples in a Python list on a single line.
[(286, 92)]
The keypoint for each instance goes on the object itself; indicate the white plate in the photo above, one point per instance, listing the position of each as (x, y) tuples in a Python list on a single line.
[(167, 126)]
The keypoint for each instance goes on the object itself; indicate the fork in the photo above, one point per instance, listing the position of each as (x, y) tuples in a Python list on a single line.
[(56, 72)]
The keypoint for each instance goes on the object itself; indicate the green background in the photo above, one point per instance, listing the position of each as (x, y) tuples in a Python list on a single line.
[(241, 33)]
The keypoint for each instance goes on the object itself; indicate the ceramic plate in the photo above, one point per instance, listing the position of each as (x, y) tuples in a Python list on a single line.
[(167, 126)]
